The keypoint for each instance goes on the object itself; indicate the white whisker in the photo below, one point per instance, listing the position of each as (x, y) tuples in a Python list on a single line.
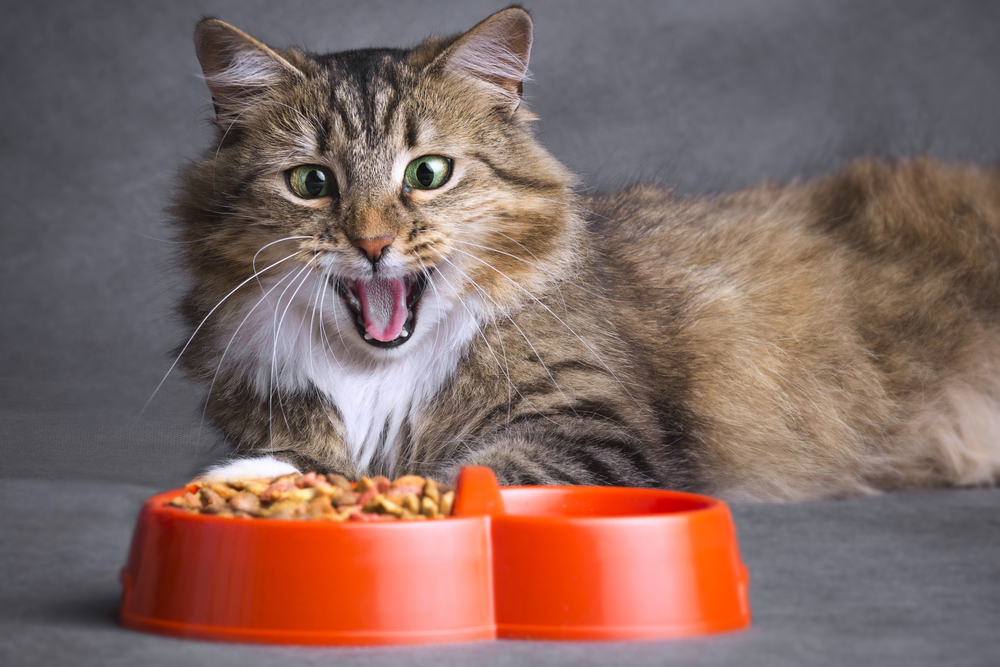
[(558, 319), (253, 262), (202, 323), (541, 268), (336, 322), (523, 335), (322, 326), (274, 356), (437, 330), (505, 368), (218, 367)]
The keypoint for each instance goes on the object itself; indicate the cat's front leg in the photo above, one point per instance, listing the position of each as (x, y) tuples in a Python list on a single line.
[(586, 451), (260, 467), (273, 465)]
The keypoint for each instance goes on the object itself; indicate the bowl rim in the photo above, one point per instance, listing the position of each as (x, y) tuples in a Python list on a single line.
[(707, 506)]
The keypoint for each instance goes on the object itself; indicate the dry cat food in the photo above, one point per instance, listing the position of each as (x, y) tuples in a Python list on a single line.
[(319, 497)]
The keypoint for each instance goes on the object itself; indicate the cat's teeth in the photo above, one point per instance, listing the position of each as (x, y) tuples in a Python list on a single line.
[(368, 336), (404, 333)]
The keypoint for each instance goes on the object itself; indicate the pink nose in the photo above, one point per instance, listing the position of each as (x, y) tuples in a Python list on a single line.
[(373, 247)]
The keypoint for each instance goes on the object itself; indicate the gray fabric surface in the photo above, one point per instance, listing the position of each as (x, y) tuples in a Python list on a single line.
[(102, 103), (900, 579)]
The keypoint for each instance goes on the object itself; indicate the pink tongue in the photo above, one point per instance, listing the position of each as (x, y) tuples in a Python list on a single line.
[(383, 304)]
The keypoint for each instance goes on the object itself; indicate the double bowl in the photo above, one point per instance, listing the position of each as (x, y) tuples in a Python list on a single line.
[(553, 563)]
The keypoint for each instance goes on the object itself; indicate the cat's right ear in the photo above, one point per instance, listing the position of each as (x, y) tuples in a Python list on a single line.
[(238, 68)]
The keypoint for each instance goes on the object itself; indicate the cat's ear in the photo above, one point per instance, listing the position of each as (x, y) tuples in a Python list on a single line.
[(237, 67), (494, 52)]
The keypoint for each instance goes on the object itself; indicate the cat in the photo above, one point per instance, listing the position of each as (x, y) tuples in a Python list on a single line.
[(389, 275)]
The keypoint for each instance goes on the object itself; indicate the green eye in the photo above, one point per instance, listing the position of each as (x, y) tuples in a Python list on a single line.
[(427, 172), (311, 182)]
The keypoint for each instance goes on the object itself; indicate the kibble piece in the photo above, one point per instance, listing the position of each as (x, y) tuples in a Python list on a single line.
[(334, 516), (431, 491), (415, 480), (382, 505), (407, 484), (411, 503), (447, 499), (348, 498), (188, 501), (428, 508), (405, 489), (334, 492), (286, 509), (309, 479), (313, 481), (211, 502), (223, 490), (380, 483), (256, 486), (368, 495), (394, 497), (244, 501), (300, 495), (347, 510), (338, 481), (319, 507), (279, 488)]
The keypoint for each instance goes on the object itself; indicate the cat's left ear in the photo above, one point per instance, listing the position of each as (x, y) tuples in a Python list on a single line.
[(495, 52)]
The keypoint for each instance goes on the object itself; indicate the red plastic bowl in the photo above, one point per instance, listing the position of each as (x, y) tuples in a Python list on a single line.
[(560, 563), (613, 563), (298, 582)]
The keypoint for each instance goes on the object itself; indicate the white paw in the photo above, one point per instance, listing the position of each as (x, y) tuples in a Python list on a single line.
[(238, 469)]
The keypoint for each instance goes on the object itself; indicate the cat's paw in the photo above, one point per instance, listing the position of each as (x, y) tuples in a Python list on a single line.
[(263, 467)]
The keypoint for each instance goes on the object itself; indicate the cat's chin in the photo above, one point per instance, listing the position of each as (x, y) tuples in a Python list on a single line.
[(384, 311)]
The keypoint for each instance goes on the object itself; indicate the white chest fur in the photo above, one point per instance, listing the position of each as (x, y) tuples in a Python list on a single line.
[(300, 338)]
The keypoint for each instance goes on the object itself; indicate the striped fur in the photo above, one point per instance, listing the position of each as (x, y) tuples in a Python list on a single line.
[(802, 341)]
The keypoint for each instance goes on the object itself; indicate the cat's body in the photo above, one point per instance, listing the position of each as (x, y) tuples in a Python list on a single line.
[(803, 341)]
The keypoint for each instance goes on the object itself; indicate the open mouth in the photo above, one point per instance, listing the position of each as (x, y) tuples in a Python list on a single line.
[(384, 309)]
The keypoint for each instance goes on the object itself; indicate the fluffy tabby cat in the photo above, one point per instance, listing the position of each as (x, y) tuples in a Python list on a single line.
[(391, 275)]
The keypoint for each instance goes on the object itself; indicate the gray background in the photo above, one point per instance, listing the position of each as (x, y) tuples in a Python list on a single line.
[(102, 104)]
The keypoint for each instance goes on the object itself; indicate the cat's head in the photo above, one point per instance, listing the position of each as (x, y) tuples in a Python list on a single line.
[(391, 173)]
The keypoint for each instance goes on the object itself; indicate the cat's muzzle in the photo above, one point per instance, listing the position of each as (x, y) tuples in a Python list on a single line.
[(384, 310)]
